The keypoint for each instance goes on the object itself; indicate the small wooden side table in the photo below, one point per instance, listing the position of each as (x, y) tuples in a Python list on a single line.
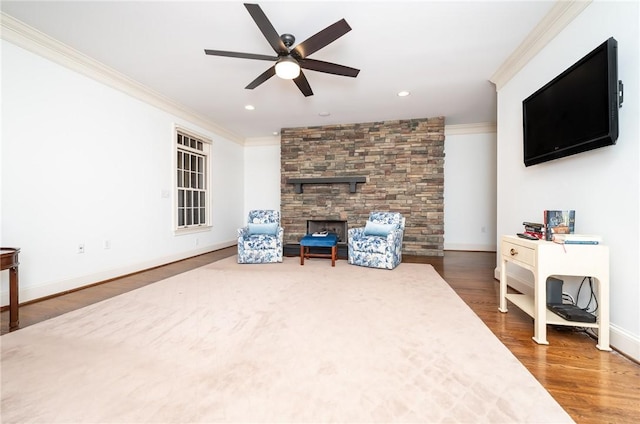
[(9, 260), (308, 241)]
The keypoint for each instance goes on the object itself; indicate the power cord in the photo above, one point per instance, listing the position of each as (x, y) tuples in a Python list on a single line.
[(586, 330), (592, 295), (567, 296)]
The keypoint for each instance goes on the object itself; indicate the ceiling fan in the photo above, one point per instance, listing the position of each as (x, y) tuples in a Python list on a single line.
[(288, 60)]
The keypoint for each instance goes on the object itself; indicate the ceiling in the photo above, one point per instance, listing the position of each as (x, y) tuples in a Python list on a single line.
[(442, 52)]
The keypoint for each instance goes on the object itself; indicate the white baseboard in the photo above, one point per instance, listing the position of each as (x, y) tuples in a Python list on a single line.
[(625, 342), (37, 292), (470, 247), (619, 339)]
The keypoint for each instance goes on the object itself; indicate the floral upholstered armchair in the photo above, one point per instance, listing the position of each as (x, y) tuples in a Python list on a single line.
[(379, 243), (261, 240)]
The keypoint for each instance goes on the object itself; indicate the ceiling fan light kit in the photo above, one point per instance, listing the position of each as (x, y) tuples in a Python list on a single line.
[(287, 68), (290, 61)]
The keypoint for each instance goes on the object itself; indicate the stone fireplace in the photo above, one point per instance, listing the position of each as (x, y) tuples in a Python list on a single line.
[(343, 172)]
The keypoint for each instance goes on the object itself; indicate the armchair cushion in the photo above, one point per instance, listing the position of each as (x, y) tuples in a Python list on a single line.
[(377, 229), (270, 229)]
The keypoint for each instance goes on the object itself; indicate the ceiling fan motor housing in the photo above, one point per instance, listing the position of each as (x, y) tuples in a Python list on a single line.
[(288, 39)]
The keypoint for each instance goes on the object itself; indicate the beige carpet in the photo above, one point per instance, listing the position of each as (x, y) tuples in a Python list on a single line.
[(272, 343)]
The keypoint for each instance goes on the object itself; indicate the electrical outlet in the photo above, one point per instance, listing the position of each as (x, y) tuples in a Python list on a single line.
[(81, 248), (197, 241), (107, 244)]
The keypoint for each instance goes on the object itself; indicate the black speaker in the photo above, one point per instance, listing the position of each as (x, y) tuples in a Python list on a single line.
[(554, 291)]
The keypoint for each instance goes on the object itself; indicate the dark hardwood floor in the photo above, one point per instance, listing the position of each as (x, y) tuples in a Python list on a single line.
[(592, 386)]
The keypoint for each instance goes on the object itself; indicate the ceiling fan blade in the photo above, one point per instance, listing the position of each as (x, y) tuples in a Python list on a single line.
[(240, 55), (303, 85), (266, 28), (321, 39), (262, 78), (329, 68)]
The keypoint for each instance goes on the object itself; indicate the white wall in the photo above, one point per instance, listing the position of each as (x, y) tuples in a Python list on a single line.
[(602, 185), (470, 189), (262, 174), (84, 163)]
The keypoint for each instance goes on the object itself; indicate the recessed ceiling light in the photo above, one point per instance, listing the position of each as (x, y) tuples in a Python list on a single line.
[(324, 114), (403, 93), (250, 107)]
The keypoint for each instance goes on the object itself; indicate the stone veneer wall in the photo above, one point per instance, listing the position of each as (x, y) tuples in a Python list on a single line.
[(402, 160)]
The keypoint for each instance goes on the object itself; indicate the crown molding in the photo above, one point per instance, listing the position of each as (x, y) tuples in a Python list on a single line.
[(459, 129), (262, 141), (28, 38), (560, 15), (479, 128)]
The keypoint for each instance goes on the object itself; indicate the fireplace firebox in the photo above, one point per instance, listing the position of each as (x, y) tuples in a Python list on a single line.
[(331, 226)]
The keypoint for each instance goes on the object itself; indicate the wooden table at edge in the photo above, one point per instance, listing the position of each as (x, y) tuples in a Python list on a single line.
[(9, 260)]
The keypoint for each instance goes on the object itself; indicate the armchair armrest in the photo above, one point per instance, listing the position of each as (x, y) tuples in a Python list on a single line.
[(243, 232), (395, 239), (356, 232), (395, 234)]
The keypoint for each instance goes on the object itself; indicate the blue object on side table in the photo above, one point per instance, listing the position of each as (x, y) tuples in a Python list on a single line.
[(329, 240)]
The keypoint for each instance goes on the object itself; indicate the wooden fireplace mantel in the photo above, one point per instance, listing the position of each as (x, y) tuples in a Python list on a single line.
[(352, 181)]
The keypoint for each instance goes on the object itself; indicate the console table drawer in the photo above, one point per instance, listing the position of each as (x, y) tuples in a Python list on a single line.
[(519, 253)]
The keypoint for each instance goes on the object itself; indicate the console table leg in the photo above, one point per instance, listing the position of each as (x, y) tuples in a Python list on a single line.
[(14, 320), (540, 310), (503, 286), (603, 315)]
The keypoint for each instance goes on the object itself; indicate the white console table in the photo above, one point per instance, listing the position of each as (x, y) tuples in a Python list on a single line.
[(544, 259)]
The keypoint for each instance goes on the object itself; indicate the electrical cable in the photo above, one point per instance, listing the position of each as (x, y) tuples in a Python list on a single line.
[(592, 295), (580, 289), (567, 296)]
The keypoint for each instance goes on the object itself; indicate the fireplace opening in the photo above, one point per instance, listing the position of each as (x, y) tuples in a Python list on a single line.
[(338, 228)]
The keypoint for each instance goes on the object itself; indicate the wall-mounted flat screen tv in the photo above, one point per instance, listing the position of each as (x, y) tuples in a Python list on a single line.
[(576, 111)]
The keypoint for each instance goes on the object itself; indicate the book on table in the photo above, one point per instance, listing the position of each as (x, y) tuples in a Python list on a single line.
[(559, 222), (536, 225), (320, 234), (534, 229), (577, 238)]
